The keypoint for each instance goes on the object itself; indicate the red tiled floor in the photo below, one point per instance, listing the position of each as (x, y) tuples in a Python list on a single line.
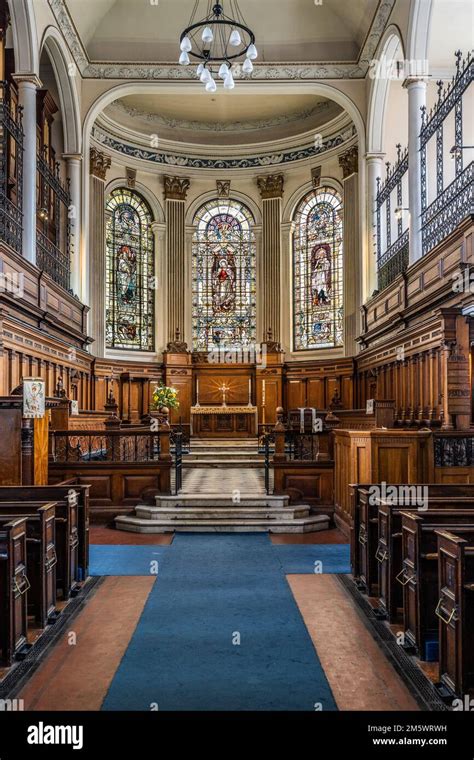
[(333, 536), (102, 535), (358, 672), (77, 674)]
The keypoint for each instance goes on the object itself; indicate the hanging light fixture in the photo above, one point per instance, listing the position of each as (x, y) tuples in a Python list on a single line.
[(218, 41)]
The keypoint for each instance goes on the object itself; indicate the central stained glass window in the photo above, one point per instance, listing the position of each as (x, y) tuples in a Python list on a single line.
[(129, 272), (318, 290), (224, 277)]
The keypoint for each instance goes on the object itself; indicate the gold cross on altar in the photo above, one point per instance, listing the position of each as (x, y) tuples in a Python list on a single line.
[(224, 388)]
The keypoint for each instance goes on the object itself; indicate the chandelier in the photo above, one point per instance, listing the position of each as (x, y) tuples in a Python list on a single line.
[(218, 42)]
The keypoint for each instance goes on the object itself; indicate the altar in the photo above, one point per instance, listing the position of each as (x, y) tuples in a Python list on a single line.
[(224, 421)]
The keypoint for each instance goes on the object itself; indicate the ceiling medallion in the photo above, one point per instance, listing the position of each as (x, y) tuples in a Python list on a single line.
[(218, 41)]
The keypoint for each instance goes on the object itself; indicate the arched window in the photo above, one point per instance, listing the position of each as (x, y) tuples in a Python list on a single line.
[(317, 271), (224, 275), (129, 272)]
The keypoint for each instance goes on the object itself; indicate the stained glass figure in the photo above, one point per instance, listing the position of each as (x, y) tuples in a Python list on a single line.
[(224, 276), (129, 272), (318, 287)]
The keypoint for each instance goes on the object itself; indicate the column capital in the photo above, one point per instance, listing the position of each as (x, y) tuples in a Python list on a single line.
[(158, 229), (374, 157), (349, 161), (271, 186), (410, 81), (28, 78), (99, 163), (176, 188), (73, 157)]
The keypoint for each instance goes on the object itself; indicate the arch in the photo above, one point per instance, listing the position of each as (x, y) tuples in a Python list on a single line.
[(25, 43), (318, 271), (155, 205), (299, 194), (63, 64), (204, 198), (391, 49), (419, 29)]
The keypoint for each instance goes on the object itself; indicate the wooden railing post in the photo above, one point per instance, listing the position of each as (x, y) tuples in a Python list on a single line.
[(165, 457), (280, 432)]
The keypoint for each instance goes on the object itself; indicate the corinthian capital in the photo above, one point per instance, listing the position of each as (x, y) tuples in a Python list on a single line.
[(176, 188), (349, 161), (99, 163), (271, 186)]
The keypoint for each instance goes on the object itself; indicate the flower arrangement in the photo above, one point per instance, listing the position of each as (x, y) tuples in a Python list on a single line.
[(164, 396)]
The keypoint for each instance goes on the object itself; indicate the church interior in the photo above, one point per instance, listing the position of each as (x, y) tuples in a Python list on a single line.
[(236, 345)]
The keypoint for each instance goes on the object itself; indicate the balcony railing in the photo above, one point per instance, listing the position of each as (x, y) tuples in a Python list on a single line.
[(53, 240), (11, 171), (392, 221)]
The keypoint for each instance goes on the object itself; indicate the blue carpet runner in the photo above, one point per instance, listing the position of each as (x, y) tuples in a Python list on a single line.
[(314, 558), (125, 560), (211, 589)]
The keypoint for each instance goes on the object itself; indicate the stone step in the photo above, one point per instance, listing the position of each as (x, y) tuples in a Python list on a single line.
[(201, 456), (222, 513), (223, 463), (221, 500), (304, 525)]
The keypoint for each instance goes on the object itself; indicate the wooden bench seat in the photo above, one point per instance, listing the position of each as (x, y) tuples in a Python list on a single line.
[(14, 585), (40, 556), (455, 611), (419, 573)]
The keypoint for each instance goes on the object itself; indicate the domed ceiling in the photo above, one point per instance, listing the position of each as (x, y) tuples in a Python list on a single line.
[(222, 118)]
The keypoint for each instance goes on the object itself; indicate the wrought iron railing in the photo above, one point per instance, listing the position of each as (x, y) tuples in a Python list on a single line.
[(177, 441), (392, 221), (11, 171), (130, 446), (453, 450), (302, 447), (446, 204), (53, 241)]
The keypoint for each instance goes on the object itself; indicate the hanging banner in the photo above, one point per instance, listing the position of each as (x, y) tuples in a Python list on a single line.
[(33, 398)]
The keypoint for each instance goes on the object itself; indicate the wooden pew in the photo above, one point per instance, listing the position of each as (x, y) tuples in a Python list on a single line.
[(455, 610), (67, 541), (14, 585), (40, 555), (364, 529), (419, 573), (389, 547), (60, 492)]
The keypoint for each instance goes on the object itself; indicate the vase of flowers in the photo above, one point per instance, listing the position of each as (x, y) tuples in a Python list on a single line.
[(164, 397)]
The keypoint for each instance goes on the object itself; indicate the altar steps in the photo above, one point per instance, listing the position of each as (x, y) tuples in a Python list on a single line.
[(219, 513)]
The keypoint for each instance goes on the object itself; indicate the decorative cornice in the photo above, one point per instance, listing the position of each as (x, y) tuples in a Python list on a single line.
[(99, 163), (261, 72), (176, 188), (349, 161), (271, 186), (208, 162)]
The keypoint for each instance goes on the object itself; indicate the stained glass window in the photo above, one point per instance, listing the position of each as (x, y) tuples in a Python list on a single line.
[(318, 271), (224, 274), (129, 272)]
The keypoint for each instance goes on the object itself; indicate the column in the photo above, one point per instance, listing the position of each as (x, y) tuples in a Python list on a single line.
[(99, 163), (175, 191), (374, 163), (416, 87), (286, 317), (28, 84), (159, 233), (74, 167), (349, 162), (271, 191)]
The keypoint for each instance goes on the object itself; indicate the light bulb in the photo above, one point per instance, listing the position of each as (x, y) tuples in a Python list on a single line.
[(207, 35), (211, 86), (205, 76), (229, 83), (247, 66), (235, 38), (185, 45), (199, 69), (223, 71), (252, 52), (184, 59)]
